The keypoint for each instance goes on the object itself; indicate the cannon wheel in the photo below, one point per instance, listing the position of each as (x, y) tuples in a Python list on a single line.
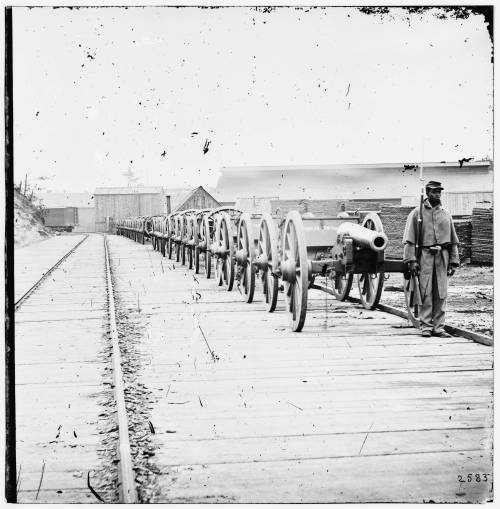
[(192, 237), (246, 243), (371, 284), (342, 284), (178, 244), (186, 236), (190, 257), (183, 249), (225, 264), (169, 238), (295, 253), (196, 250), (196, 260), (268, 247), (169, 248), (205, 235)]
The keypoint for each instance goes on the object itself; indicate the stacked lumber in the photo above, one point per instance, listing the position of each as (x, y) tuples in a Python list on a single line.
[(373, 205), (394, 222), (316, 207), (463, 228), (482, 236), (329, 207)]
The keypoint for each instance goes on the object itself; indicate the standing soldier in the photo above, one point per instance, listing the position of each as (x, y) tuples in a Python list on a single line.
[(435, 260)]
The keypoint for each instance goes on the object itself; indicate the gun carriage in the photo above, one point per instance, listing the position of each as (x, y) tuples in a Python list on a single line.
[(148, 227), (153, 235), (301, 250), (175, 235), (247, 244), (187, 236), (198, 238), (158, 235), (222, 243), (134, 228), (170, 225), (206, 232)]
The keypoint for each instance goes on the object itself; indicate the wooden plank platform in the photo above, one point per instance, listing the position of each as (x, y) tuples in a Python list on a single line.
[(60, 368), (356, 408)]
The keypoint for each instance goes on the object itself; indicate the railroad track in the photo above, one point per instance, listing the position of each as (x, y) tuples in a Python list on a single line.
[(67, 303), (26, 295), (128, 492)]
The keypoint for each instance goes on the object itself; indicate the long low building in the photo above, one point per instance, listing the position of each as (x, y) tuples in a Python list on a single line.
[(351, 181)]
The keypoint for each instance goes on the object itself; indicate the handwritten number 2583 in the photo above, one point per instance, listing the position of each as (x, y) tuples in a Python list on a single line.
[(473, 477)]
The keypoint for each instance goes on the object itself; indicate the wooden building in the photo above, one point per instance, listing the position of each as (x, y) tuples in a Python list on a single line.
[(350, 181), (113, 203), (198, 198)]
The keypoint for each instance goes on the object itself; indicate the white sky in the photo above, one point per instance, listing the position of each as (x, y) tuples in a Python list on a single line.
[(98, 91)]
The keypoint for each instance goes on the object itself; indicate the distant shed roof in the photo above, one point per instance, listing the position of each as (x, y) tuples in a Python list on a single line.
[(187, 196), (128, 190), (57, 200), (354, 166)]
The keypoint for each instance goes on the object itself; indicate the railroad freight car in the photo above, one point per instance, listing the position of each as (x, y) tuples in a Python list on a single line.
[(62, 219)]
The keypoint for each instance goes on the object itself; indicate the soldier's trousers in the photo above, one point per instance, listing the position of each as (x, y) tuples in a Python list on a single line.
[(433, 309)]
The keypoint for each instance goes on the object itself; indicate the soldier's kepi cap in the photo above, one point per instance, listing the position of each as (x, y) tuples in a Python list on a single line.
[(432, 184)]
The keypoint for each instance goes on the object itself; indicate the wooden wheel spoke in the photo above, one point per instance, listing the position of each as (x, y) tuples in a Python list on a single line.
[(292, 300)]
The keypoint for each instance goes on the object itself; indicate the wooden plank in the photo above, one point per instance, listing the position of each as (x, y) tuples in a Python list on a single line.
[(64, 496), (236, 426), (75, 481), (62, 457), (287, 448), (313, 373), (397, 478)]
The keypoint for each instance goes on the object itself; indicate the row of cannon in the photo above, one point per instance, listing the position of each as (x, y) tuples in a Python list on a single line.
[(287, 254)]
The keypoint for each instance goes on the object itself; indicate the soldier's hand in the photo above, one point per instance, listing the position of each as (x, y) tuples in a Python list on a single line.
[(451, 270), (414, 268)]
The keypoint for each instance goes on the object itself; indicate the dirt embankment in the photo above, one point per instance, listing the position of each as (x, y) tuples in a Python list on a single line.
[(28, 225)]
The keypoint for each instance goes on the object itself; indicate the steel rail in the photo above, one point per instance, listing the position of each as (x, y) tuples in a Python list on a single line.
[(128, 491), (457, 331), (21, 299)]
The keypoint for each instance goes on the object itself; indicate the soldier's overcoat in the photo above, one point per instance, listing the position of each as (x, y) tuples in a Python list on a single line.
[(437, 229)]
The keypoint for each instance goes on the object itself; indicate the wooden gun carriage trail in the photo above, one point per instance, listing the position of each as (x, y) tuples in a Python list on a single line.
[(291, 254)]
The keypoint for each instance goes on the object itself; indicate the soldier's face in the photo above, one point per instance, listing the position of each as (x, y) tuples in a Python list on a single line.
[(434, 196)]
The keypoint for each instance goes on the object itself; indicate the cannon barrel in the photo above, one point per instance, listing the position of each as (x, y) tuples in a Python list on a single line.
[(376, 241)]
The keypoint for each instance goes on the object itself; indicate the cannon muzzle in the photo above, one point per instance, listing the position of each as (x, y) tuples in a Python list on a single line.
[(376, 241)]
